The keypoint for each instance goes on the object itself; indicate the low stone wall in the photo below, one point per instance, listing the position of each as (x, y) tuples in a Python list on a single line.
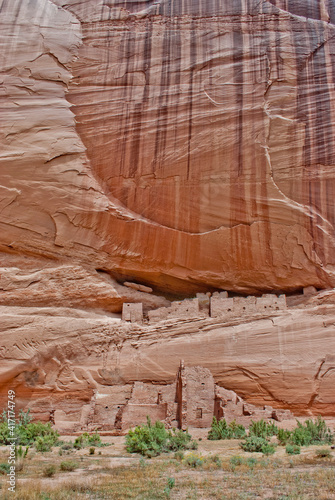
[(184, 309), (222, 307), (219, 305)]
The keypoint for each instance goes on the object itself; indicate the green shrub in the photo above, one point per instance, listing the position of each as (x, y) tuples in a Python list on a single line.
[(85, 440), (311, 432), (221, 430), (253, 443), (151, 440), (26, 432), (194, 460), (257, 444), (268, 449), (20, 453), (92, 451), (68, 465), (4, 468), (4, 433), (44, 443), (323, 453), (292, 449), (236, 460), (49, 470), (262, 429), (284, 436)]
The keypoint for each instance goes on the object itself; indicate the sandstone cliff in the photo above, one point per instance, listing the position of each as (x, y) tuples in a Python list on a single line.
[(188, 146)]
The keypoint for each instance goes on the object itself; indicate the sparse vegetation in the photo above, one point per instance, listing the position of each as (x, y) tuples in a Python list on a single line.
[(194, 460), (49, 470), (292, 449), (257, 444), (323, 453), (4, 468), (153, 439), (262, 429), (86, 440), (311, 432), (212, 472), (68, 465), (221, 430), (42, 436)]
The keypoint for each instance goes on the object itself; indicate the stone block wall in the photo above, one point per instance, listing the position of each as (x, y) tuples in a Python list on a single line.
[(221, 307), (132, 312), (184, 309), (270, 302), (239, 306)]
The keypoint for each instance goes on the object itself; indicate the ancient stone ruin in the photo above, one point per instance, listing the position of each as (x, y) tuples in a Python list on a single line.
[(218, 305), (190, 402), (132, 312)]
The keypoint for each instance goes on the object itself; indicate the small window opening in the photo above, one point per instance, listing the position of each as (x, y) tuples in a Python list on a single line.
[(198, 413)]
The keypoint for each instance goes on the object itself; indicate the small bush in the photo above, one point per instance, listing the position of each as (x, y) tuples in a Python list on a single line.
[(268, 449), (323, 453), (284, 436), (151, 440), (253, 443), (194, 460), (44, 443), (236, 460), (257, 444), (262, 429), (251, 462), (68, 465), (49, 470), (26, 432), (311, 432), (20, 453), (92, 451), (86, 439), (292, 449), (215, 459), (221, 430), (4, 468)]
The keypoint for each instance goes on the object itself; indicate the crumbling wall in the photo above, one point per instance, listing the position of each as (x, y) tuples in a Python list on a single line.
[(198, 392), (222, 307), (184, 309), (132, 312), (270, 302), (230, 406)]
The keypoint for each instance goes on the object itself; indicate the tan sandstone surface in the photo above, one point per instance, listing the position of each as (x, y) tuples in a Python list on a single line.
[(182, 147), (82, 364)]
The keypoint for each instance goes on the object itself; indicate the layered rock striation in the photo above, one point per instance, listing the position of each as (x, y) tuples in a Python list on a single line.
[(186, 145)]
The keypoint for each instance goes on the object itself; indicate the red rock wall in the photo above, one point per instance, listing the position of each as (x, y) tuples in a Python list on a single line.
[(188, 145), (185, 145)]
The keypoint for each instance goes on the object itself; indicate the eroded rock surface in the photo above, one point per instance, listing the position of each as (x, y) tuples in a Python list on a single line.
[(96, 369), (183, 145)]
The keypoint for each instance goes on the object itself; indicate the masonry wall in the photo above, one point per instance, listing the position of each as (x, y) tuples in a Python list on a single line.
[(132, 312), (184, 309)]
